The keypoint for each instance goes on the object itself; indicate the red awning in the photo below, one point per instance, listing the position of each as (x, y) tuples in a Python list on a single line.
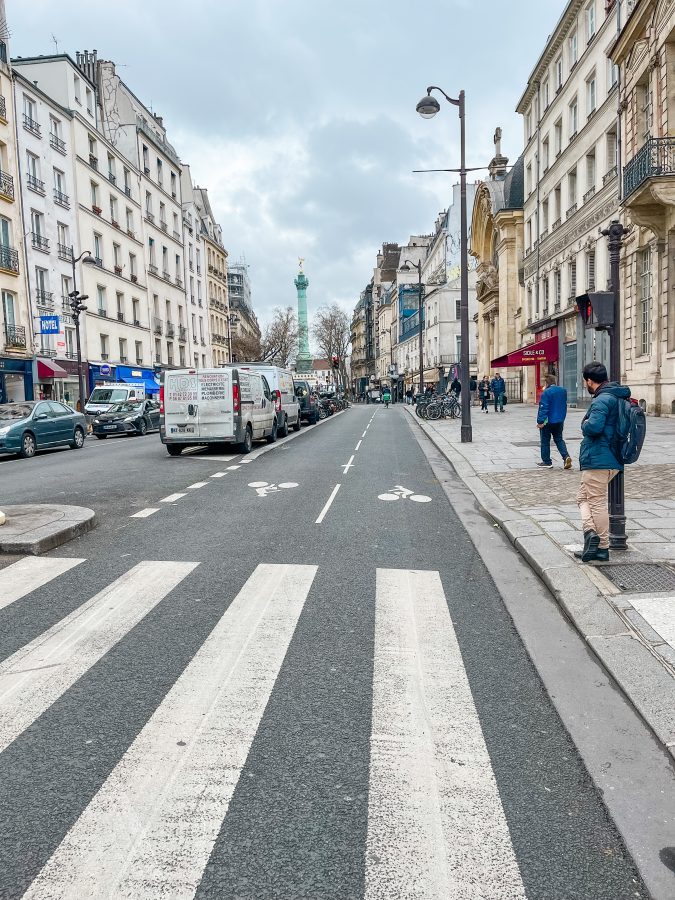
[(47, 368), (540, 351)]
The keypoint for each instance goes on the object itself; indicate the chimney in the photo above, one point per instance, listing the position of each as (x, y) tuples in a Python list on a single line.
[(87, 62)]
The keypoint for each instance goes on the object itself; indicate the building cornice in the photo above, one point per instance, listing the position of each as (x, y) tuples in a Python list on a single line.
[(635, 23)]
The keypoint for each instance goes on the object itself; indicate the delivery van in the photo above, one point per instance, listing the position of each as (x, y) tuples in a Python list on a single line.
[(105, 396), (286, 404), (199, 407)]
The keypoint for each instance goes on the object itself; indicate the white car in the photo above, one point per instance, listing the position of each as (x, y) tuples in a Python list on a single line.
[(286, 404), (199, 407)]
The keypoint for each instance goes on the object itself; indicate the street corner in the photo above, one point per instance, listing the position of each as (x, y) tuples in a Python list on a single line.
[(37, 528)]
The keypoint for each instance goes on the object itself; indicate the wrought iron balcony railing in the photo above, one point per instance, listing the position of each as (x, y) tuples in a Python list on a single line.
[(36, 185), (44, 298), (3, 109), (656, 157), (57, 143), (39, 242), (609, 175), (61, 198), (64, 251), (6, 186), (31, 125), (15, 336), (9, 259)]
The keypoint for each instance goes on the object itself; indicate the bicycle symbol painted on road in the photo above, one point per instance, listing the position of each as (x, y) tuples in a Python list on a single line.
[(401, 493), (263, 488)]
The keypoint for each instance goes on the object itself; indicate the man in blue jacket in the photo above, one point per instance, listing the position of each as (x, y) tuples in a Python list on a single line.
[(597, 460), (551, 421)]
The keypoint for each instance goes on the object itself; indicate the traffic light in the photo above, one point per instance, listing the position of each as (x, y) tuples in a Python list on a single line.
[(336, 362), (597, 309)]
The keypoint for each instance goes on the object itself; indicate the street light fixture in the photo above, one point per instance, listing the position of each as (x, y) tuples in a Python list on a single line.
[(408, 267), (427, 108), (77, 306)]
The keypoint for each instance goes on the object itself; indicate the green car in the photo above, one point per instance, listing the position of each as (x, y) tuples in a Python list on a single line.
[(30, 426)]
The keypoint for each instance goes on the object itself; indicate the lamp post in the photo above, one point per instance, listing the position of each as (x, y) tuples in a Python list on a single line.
[(77, 306), (232, 319), (407, 267), (427, 108)]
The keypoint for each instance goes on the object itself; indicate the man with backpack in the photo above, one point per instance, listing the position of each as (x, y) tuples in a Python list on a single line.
[(613, 431)]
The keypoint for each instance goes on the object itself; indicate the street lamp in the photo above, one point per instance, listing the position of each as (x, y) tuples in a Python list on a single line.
[(408, 267), (427, 108), (232, 319), (77, 306)]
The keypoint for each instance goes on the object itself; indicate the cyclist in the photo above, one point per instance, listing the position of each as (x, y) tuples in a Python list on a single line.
[(386, 397)]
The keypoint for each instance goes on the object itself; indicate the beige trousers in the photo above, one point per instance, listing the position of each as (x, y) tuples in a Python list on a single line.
[(592, 502)]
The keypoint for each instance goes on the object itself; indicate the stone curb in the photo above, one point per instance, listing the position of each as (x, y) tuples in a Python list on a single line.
[(645, 682), (37, 528)]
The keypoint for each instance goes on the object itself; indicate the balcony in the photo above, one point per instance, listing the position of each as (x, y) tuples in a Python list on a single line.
[(158, 357), (6, 186), (47, 352), (570, 212), (44, 298), (98, 261), (166, 276), (112, 178), (157, 325), (103, 313), (134, 277), (64, 252), (15, 337), (152, 269), (57, 143), (105, 356), (544, 234), (3, 109), (93, 161), (96, 209), (176, 235), (163, 226), (191, 266), (62, 199), (182, 333), (179, 281), (124, 359), (39, 242), (120, 316), (648, 182), (589, 193), (127, 190), (556, 224), (170, 329), (118, 270), (32, 126), (149, 216), (36, 185), (613, 172)]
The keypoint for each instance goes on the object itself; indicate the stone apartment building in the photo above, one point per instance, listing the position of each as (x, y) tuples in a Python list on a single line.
[(244, 327), (195, 276), (216, 279)]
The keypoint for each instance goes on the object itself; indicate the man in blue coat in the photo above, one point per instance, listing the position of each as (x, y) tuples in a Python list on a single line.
[(597, 460), (551, 421)]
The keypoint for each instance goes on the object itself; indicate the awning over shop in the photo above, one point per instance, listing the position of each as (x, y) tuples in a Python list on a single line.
[(151, 386), (540, 351), (47, 368)]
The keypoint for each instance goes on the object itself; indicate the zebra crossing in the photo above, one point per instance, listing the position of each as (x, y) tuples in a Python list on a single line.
[(149, 830)]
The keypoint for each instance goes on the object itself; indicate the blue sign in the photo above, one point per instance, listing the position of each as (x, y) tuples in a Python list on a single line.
[(49, 325), (104, 369)]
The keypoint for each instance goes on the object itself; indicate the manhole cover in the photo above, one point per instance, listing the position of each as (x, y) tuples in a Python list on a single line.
[(640, 577)]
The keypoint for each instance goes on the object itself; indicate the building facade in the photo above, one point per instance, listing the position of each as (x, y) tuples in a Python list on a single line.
[(571, 187), (645, 53), (216, 280), (16, 356), (197, 316), (244, 327)]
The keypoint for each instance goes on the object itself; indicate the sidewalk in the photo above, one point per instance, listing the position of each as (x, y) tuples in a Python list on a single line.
[(625, 610)]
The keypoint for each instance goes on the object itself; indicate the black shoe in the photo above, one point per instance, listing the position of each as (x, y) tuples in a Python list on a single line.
[(601, 555), (591, 545), (543, 465)]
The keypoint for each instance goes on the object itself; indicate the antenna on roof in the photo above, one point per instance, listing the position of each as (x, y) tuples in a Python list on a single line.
[(56, 44)]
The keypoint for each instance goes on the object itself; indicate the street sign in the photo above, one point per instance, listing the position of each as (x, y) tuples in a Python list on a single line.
[(104, 369), (49, 325)]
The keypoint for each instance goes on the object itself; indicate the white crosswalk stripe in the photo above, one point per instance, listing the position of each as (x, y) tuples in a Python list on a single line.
[(433, 803), (150, 829), (38, 674), (29, 574)]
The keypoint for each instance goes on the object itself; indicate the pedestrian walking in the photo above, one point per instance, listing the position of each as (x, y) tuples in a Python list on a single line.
[(498, 388), (456, 387), (551, 421), (409, 396), (484, 393), (598, 460)]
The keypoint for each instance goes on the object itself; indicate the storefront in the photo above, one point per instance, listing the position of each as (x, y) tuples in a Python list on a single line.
[(66, 388), (49, 373), (16, 380), (100, 373), (543, 355), (145, 377)]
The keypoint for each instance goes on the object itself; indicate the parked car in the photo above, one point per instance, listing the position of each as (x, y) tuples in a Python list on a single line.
[(104, 397), (309, 410), (36, 425), (132, 417), (286, 404), (215, 406)]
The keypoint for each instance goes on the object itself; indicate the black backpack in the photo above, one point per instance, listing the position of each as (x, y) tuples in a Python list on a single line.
[(631, 428)]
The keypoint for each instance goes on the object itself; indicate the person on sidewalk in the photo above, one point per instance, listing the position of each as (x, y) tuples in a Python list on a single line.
[(597, 460), (551, 421), (498, 388), (456, 387), (484, 393)]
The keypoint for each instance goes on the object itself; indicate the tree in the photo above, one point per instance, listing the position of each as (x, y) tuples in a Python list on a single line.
[(246, 348), (331, 330), (280, 339)]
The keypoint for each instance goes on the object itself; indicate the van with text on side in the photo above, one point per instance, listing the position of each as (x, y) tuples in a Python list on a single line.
[(286, 404), (202, 407)]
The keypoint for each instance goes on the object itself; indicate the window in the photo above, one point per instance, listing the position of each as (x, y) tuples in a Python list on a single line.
[(151, 249), (528, 124), (528, 179), (546, 94), (590, 21), (101, 300), (162, 215), (70, 343), (117, 257), (573, 118), (612, 75), (558, 68), (93, 152), (111, 168), (8, 308), (181, 355), (645, 110), (590, 173), (590, 270), (591, 95), (120, 306), (557, 289), (545, 154), (132, 266), (544, 217), (458, 308), (529, 234), (139, 352), (645, 300), (62, 235), (59, 181), (557, 137), (94, 195), (146, 160), (104, 345), (169, 353), (573, 48), (127, 183), (148, 205), (572, 275), (130, 220), (557, 203), (136, 311), (41, 282), (158, 350), (611, 152), (30, 109), (547, 286), (90, 105), (123, 350), (159, 171), (572, 190), (165, 261), (76, 86), (173, 185), (98, 248), (113, 210)]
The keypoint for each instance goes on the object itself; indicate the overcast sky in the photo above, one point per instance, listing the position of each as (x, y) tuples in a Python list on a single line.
[(299, 115)]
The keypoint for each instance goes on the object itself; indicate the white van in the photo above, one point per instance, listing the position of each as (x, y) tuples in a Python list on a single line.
[(105, 396), (215, 406), (286, 404)]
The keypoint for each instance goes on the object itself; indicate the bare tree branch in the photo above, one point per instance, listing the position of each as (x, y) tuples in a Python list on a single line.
[(280, 340), (331, 331)]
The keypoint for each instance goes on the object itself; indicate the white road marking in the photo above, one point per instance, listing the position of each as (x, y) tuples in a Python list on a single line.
[(659, 612), (349, 465), (150, 829), (357, 447), (263, 488), (401, 493), (172, 498), (232, 468), (29, 574), (322, 514), (144, 513), (219, 474), (364, 433), (38, 674), (197, 484), (436, 825)]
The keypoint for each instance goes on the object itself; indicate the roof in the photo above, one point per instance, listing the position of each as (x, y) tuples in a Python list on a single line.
[(514, 185), (320, 365)]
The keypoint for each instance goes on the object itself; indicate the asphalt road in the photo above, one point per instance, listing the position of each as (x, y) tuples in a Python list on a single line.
[(279, 685)]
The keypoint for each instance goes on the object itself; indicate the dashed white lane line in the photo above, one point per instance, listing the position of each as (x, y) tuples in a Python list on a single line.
[(219, 474), (349, 464), (357, 447), (364, 434), (172, 498), (324, 511), (197, 484), (144, 513), (232, 468)]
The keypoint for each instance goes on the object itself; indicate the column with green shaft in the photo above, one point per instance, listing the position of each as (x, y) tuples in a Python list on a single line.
[(303, 363)]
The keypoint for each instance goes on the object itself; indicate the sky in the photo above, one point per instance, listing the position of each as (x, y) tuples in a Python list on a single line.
[(299, 115)]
